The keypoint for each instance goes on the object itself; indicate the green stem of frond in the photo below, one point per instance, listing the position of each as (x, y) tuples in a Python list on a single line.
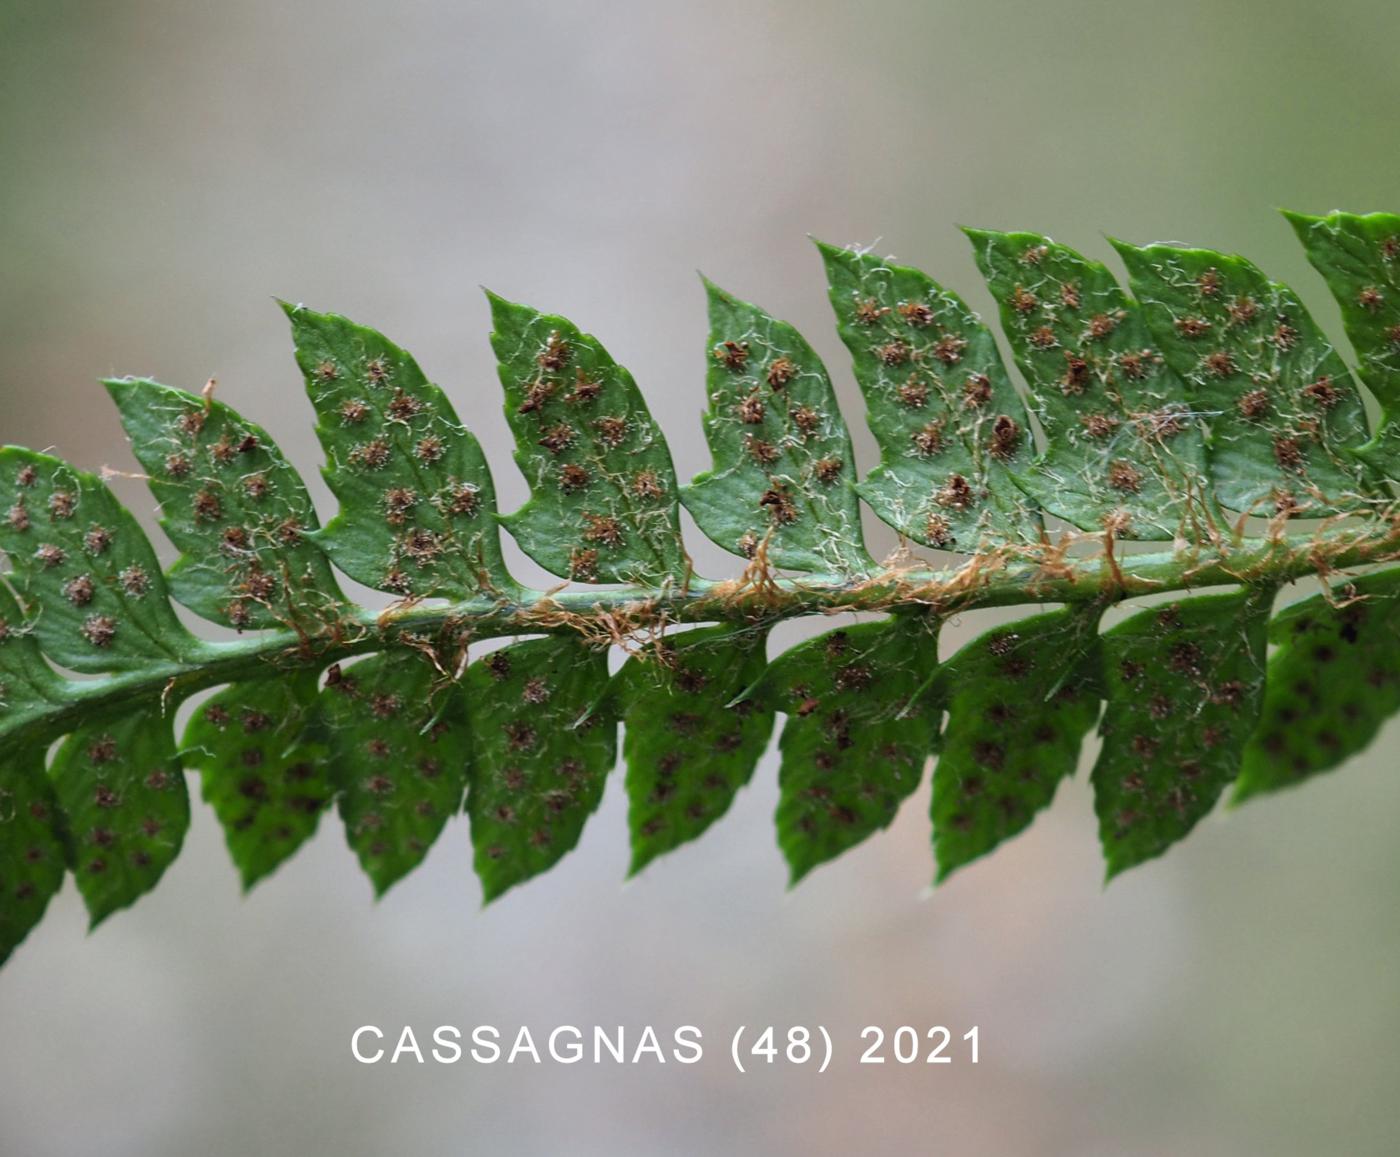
[(1047, 575)]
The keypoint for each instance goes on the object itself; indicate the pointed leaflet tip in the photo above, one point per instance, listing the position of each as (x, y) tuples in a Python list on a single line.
[(1134, 258), (490, 895), (1301, 222), (714, 294), (494, 298), (975, 234), (825, 248), (115, 387), (503, 310), (797, 874)]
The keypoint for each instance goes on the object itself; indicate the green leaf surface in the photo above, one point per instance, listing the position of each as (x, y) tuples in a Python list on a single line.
[(416, 499), (1285, 417), (952, 431), (691, 736), (83, 569), (123, 794), (1334, 680), (263, 768), (1184, 682), (32, 852), (399, 744), (29, 687), (1019, 699), (234, 506), (603, 493), (860, 725), (544, 744), (1359, 258), (1167, 420), (1123, 449), (783, 469)]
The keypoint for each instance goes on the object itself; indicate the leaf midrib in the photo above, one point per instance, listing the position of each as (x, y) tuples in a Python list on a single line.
[(1020, 581)]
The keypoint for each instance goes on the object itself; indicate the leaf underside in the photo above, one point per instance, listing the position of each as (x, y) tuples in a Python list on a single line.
[(415, 493), (694, 732), (1020, 700), (1286, 417), (125, 806), (399, 748), (1332, 683), (1162, 407), (860, 724), (603, 503), (1183, 683), (544, 753), (263, 768), (952, 431), (784, 471), (1123, 447)]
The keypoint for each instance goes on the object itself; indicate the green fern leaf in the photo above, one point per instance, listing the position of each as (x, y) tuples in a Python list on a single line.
[(399, 743), (417, 503), (953, 433), (32, 851), (1333, 681), (1359, 258), (1284, 414), (1020, 699), (96, 602), (859, 730), (263, 768), (543, 747), (123, 796), (237, 510), (783, 464), (84, 570), (603, 504), (1183, 683), (1218, 393), (29, 687), (693, 732), (32, 854), (1123, 449)]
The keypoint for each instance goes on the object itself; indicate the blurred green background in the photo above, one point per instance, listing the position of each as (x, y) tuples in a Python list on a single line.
[(167, 166)]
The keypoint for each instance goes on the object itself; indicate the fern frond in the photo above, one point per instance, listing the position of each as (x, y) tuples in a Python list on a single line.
[(1169, 416)]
